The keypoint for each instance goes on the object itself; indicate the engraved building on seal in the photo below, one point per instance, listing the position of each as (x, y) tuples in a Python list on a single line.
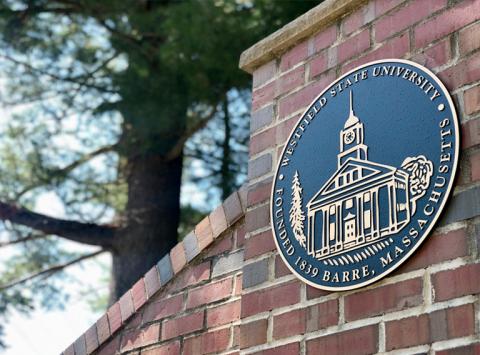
[(361, 203)]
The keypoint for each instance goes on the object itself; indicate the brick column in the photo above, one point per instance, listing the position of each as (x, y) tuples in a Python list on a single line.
[(430, 304)]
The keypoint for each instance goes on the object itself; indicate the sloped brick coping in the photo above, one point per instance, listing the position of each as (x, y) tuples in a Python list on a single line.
[(312, 21), (205, 232)]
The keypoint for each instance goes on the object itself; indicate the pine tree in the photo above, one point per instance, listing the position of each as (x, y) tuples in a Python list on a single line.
[(297, 217)]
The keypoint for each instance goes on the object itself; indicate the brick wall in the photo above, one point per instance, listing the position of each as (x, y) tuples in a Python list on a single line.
[(189, 303), (429, 305), (224, 288)]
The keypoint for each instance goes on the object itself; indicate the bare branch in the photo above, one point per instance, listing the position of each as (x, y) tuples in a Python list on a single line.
[(178, 147), (51, 270), (22, 240), (73, 80), (69, 168), (87, 233), (72, 166)]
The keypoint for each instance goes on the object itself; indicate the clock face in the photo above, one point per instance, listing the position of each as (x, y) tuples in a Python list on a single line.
[(349, 137)]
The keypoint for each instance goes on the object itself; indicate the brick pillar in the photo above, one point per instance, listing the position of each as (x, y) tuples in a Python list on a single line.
[(430, 304)]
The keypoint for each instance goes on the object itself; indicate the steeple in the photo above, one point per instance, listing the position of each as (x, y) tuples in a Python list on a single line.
[(352, 119), (351, 138)]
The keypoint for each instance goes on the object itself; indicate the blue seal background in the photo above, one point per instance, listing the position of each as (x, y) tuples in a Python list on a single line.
[(400, 121)]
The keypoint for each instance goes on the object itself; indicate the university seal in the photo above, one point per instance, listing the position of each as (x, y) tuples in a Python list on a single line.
[(365, 175)]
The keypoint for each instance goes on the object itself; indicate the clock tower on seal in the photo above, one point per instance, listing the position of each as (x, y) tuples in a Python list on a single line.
[(351, 138)]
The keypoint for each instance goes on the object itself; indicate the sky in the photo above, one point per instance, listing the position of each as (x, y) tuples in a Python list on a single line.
[(50, 332)]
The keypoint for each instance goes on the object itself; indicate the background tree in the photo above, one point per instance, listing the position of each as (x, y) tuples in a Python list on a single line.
[(106, 95)]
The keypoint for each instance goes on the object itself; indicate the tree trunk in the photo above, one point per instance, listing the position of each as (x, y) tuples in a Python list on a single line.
[(152, 213), (227, 177)]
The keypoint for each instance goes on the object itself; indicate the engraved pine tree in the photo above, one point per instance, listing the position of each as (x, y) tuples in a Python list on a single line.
[(297, 216)]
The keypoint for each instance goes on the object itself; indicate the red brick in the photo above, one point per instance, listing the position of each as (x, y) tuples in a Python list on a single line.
[(472, 349), (164, 308), (322, 315), (469, 39), (447, 22), (91, 339), (475, 166), (207, 343), (253, 333), (134, 321), (243, 196), (300, 99), (435, 56), (264, 73), (240, 236), (178, 258), (288, 349), (353, 46), (103, 329), (152, 281), (114, 317), (396, 47), (262, 141), (458, 282), (70, 350), (111, 347), (139, 296), (204, 233), (313, 292), (407, 332), (260, 192), (259, 244), (223, 314), (281, 269), (260, 166), (289, 324), (238, 285), (367, 13), (222, 246), (79, 346), (460, 321), (257, 218), (209, 293), (438, 248), (319, 64), (382, 6), (284, 129), (427, 328), (406, 16), (138, 338), (274, 297), (236, 337), (388, 298), (290, 81), (471, 99), (470, 133), (294, 56), (183, 325), (356, 20), (232, 207), (218, 221), (126, 306), (192, 276), (356, 341), (325, 38), (172, 348), (463, 73), (263, 95)]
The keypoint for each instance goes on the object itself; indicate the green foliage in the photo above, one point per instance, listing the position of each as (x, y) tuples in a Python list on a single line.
[(92, 84)]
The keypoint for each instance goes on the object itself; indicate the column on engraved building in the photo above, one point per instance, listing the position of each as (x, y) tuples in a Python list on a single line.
[(311, 233)]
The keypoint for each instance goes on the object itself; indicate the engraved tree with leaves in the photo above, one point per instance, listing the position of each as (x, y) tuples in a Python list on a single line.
[(297, 216)]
